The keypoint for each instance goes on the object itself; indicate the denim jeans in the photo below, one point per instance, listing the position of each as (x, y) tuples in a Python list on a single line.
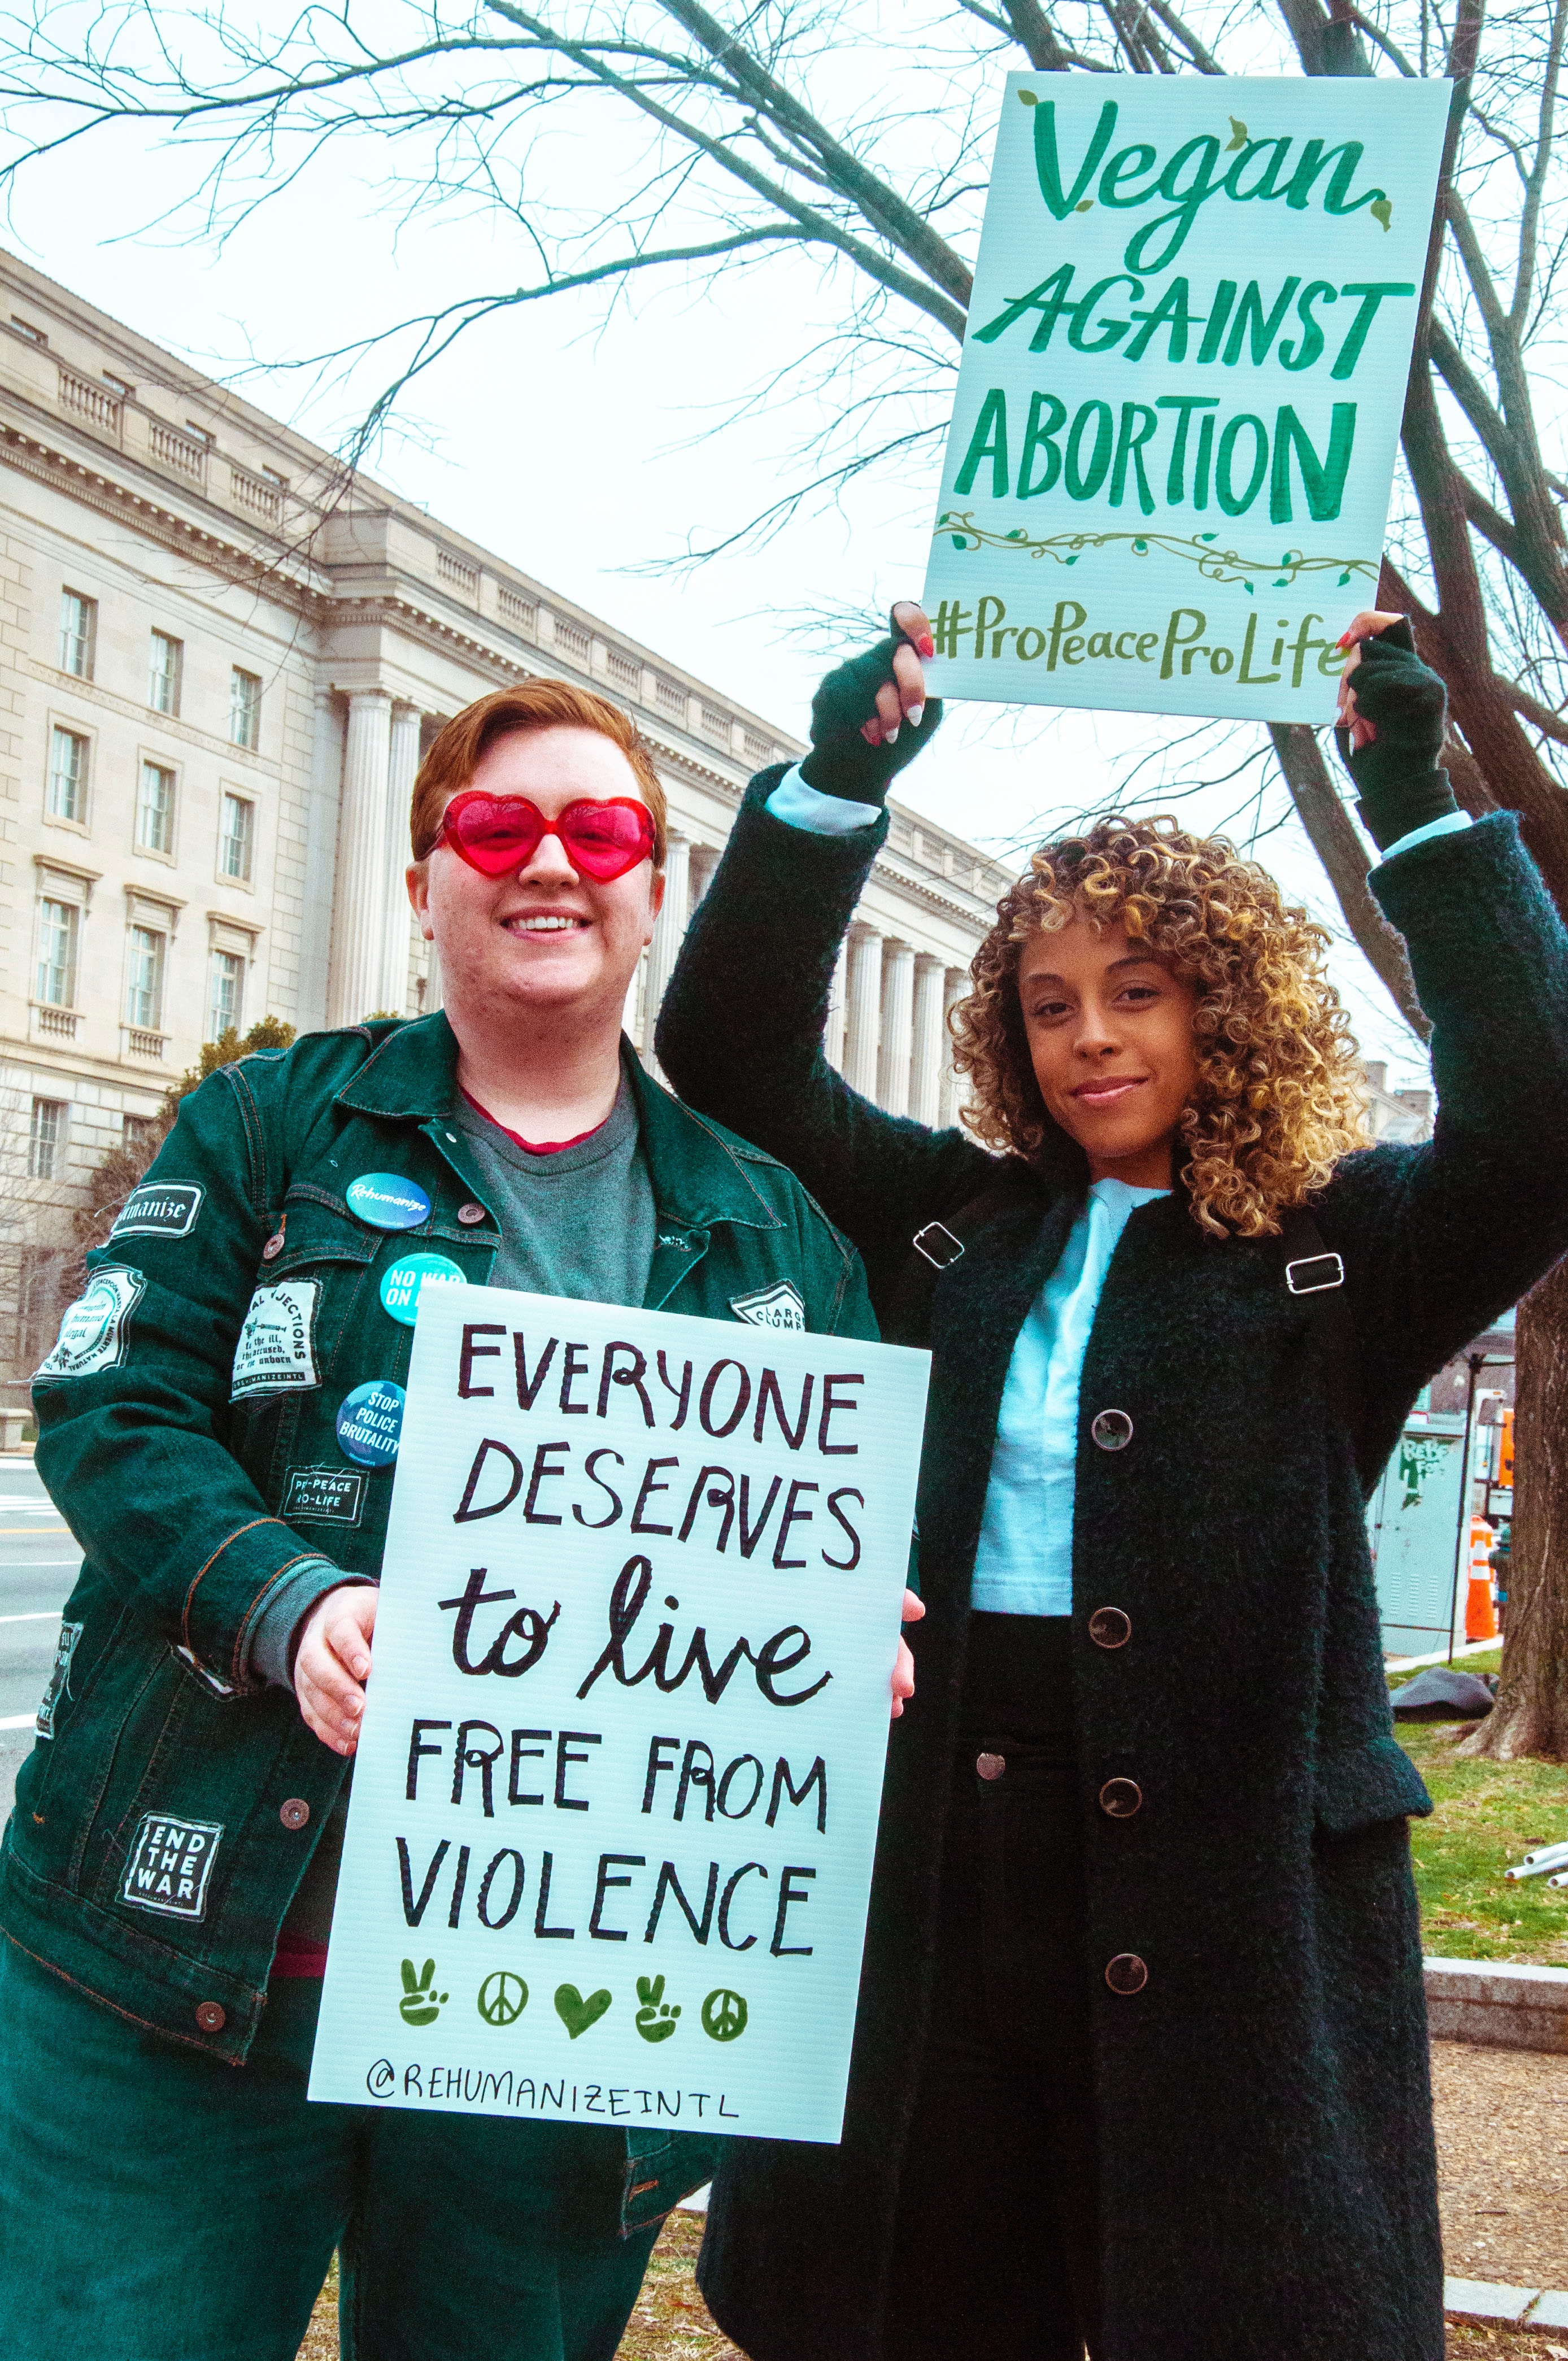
[(159, 2205)]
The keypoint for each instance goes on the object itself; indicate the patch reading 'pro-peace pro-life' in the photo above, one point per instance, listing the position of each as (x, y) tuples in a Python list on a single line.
[(171, 1865), (324, 1496), (274, 1354), (159, 1209)]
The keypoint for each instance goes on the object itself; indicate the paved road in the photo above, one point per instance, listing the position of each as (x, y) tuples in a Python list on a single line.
[(37, 1566)]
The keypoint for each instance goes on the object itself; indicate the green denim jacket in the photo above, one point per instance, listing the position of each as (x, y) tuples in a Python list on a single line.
[(192, 1507)]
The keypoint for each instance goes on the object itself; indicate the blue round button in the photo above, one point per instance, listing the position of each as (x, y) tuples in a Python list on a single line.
[(404, 1284), (387, 1202), (370, 1423)]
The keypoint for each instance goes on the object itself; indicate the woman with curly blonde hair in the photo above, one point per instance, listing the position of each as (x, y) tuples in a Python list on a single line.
[(1140, 2065)]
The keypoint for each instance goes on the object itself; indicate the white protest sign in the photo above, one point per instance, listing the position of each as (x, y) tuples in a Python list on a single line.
[(1173, 442), (615, 1801)]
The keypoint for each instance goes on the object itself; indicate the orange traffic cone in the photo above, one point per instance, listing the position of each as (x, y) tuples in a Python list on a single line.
[(1480, 1615)]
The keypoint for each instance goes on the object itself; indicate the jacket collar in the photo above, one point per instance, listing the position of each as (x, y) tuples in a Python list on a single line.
[(411, 1076)]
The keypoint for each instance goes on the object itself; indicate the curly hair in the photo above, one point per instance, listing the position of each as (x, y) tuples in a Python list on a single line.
[(1280, 1095)]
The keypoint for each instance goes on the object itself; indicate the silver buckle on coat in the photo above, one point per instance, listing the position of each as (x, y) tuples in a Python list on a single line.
[(943, 1248), (1324, 1263)]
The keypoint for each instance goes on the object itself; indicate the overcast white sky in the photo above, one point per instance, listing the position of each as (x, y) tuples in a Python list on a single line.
[(579, 450)]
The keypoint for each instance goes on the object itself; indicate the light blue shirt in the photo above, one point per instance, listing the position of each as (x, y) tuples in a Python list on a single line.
[(1024, 1564)]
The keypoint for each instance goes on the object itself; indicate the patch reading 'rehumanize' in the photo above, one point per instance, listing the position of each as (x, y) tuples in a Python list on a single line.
[(779, 1306), (159, 1209), (171, 1865), (274, 1354), (94, 1331)]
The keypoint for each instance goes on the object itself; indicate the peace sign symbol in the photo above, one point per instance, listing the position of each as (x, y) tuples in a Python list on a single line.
[(724, 2015), (503, 1997)]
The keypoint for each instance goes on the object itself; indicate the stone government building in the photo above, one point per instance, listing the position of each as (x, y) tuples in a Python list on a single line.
[(219, 663)]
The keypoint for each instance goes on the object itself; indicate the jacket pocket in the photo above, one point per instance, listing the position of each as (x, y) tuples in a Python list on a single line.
[(303, 1304), (1357, 1787)]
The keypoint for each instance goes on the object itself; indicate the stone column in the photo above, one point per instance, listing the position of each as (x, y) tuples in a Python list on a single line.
[(669, 927), (954, 989), (402, 762), (360, 899), (320, 862), (930, 1042), (864, 1025), (897, 1038), (837, 997)]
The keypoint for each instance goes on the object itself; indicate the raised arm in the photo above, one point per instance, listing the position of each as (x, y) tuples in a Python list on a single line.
[(740, 1031), (1439, 1239)]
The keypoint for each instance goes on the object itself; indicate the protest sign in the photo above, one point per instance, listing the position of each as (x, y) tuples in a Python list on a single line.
[(1167, 476), (616, 1796)]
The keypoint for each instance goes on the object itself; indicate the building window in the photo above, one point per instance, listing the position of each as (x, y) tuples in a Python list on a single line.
[(66, 775), (56, 952), (136, 1134), (144, 991), (245, 708), (78, 630), (46, 1140), (236, 837), (227, 996), (163, 677), (155, 810)]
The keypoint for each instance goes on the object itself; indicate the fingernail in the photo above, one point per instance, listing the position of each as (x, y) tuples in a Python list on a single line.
[(1344, 640), (927, 646), (916, 715), (889, 737)]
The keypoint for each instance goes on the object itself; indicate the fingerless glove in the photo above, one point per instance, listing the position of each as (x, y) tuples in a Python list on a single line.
[(841, 762), (1398, 777)]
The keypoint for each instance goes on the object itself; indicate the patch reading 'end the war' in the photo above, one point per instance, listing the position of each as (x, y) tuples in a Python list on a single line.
[(779, 1306), (159, 1209), (170, 1865), (324, 1496)]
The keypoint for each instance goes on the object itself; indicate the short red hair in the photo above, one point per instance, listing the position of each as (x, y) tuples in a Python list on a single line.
[(456, 753)]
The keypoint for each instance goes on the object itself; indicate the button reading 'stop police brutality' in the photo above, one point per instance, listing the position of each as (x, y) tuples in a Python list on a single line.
[(1112, 1430), (404, 1284), (387, 1202), (370, 1423)]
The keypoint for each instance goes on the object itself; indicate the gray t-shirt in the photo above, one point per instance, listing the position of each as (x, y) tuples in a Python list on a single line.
[(579, 1223)]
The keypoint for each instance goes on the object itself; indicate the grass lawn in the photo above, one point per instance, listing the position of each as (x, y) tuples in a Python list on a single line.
[(1488, 1815)]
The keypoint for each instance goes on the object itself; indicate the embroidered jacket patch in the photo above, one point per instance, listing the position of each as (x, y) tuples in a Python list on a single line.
[(170, 1865), (275, 1354), (59, 1678), (94, 1332), (324, 1496), (159, 1209), (779, 1306)]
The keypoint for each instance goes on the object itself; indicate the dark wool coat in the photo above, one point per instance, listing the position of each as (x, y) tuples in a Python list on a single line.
[(1268, 2186)]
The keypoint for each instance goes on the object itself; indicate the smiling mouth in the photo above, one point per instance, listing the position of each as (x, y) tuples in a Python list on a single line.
[(1108, 1091), (536, 923)]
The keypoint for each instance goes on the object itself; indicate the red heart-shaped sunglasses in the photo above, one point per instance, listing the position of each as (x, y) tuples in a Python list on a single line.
[(496, 833)]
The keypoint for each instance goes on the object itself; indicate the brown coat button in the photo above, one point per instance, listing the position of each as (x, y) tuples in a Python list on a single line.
[(212, 2015), (1126, 1974), (273, 1247), (1112, 1430), (990, 1766), (1110, 1627), (296, 1812), (1119, 1798), (470, 1213)]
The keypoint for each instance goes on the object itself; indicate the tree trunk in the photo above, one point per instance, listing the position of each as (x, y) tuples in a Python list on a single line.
[(1531, 1715)]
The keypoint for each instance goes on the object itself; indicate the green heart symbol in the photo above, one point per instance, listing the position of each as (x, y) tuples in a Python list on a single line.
[(576, 2013)]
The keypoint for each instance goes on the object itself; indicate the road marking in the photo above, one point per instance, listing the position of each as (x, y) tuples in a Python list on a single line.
[(19, 1720), (50, 1616), (34, 1564)]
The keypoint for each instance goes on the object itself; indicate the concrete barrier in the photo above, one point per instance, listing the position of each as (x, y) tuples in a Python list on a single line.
[(1497, 2004)]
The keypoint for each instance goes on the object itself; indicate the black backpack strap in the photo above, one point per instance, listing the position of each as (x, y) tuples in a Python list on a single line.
[(1317, 1273), (936, 1245)]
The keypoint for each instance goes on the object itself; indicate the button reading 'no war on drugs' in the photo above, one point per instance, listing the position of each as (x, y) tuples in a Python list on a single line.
[(404, 1284)]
